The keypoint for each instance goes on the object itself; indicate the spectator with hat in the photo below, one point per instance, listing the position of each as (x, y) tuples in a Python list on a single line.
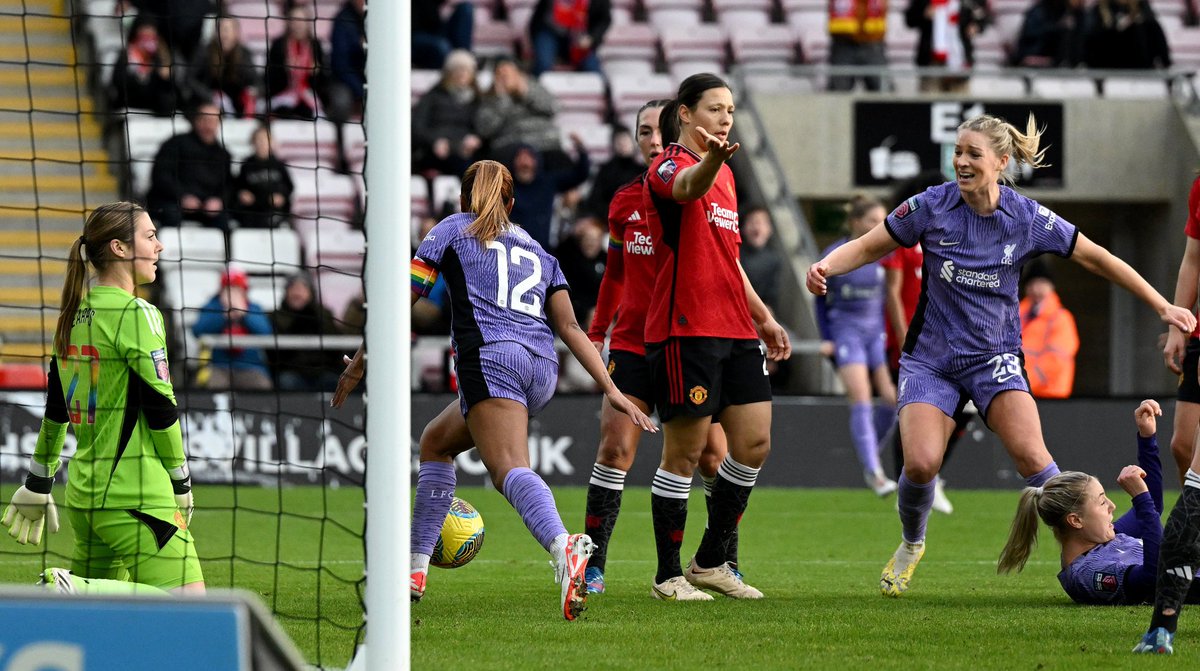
[(231, 313)]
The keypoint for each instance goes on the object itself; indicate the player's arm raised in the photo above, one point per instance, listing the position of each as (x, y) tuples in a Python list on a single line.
[(562, 318), (1102, 262), (867, 248)]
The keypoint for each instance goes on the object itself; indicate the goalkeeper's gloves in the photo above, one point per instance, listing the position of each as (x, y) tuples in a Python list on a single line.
[(31, 509), (181, 481)]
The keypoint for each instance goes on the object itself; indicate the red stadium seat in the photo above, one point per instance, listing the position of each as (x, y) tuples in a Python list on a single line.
[(22, 376), (630, 93)]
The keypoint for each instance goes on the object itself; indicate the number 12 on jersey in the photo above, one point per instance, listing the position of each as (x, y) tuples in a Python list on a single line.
[(516, 300)]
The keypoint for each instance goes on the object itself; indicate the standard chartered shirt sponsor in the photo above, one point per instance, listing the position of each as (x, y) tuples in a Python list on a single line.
[(974, 278)]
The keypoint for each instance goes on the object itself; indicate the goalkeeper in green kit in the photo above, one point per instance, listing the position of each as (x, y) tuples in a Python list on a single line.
[(128, 496)]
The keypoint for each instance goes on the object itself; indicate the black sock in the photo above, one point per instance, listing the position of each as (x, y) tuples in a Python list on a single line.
[(603, 505), (1179, 559), (670, 518), (731, 493)]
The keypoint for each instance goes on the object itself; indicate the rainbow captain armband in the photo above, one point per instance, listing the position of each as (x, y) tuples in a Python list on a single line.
[(615, 243), (423, 276)]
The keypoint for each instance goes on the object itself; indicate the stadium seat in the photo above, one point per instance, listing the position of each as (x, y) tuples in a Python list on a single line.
[(806, 21), (703, 42), (681, 70), (237, 137), (267, 290), (335, 248), (576, 91), (422, 81), (1185, 47), (763, 44), (732, 19), (777, 82), (306, 144), (191, 248), (1135, 87), (990, 49), (266, 251), (621, 67), (636, 41), (997, 86), (630, 93), (1064, 87), (144, 134), (493, 39), (597, 138), (323, 193), (673, 18), (621, 17), (354, 145)]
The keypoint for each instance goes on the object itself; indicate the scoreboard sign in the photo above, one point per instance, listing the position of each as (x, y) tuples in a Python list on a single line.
[(895, 141)]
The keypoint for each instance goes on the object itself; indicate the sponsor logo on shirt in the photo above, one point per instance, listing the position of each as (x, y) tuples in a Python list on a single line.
[(1045, 213), (636, 216), (723, 218), (698, 395), (1104, 582), (1008, 252), (640, 244), (161, 370), (906, 208), (969, 278), (666, 170)]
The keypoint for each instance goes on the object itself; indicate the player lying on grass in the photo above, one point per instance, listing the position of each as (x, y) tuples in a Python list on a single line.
[(1103, 562)]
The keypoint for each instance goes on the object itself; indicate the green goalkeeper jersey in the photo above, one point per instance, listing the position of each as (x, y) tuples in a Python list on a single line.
[(114, 389)]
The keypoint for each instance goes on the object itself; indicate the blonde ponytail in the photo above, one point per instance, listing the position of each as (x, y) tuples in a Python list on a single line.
[(1006, 139), (487, 188), (1053, 501)]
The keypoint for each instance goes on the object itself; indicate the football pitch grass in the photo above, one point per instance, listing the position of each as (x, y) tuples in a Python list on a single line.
[(815, 553)]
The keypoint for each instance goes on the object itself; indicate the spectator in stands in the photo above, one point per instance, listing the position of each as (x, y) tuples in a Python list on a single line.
[(230, 312), (224, 72), (535, 185), (263, 186), (443, 120), (568, 32), (616, 172), (439, 27), (856, 37), (180, 22), (301, 314), (1124, 34), (141, 78), (348, 61), (946, 37), (518, 110), (296, 68), (1049, 338), (582, 257), (192, 174), (761, 259), (1051, 35)]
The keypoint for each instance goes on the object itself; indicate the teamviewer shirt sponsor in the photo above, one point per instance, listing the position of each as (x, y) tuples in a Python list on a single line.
[(698, 289), (972, 265), (497, 292)]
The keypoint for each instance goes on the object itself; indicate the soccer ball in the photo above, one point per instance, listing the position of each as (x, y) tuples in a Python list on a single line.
[(461, 537)]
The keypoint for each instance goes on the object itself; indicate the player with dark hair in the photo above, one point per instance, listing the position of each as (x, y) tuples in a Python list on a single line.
[(1103, 562), (850, 317), (506, 292), (965, 340), (702, 340), (129, 495), (622, 304)]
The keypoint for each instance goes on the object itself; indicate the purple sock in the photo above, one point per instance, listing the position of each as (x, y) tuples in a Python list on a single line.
[(862, 431), (915, 501), (1038, 479), (526, 491), (435, 489)]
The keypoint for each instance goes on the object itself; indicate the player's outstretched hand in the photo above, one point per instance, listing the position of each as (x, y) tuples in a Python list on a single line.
[(622, 404), (1133, 480), (1180, 318), (779, 346), (28, 513), (1145, 417), (719, 148), (1174, 348), (349, 379), (815, 279)]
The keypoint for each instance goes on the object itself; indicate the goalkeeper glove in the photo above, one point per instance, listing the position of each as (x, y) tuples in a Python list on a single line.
[(32, 508), (183, 495)]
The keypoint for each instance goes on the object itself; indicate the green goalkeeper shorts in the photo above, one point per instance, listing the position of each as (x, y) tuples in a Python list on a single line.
[(134, 545)]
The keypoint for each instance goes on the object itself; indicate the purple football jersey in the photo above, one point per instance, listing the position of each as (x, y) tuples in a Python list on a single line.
[(497, 292), (855, 300), (1098, 575), (969, 301)]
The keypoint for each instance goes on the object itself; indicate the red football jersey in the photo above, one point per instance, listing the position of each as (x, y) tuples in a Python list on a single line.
[(629, 274), (698, 289)]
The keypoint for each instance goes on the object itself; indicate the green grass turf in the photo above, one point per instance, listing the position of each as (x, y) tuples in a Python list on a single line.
[(815, 553)]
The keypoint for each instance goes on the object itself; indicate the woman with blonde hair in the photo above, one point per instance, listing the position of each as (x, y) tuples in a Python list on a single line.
[(506, 293), (129, 494), (850, 317), (964, 342), (1103, 562)]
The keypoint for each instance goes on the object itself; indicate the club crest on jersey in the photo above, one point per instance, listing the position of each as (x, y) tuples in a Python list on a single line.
[(666, 170), (698, 395), (1008, 252), (906, 208), (161, 370), (1104, 582), (612, 365)]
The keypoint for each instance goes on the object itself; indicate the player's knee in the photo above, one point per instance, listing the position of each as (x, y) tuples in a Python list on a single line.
[(752, 452), (709, 461), (920, 471), (616, 452)]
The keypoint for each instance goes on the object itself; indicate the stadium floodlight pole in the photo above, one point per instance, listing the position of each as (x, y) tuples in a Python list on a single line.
[(388, 120)]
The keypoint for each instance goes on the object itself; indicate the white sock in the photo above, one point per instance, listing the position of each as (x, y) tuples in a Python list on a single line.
[(418, 562), (557, 545)]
